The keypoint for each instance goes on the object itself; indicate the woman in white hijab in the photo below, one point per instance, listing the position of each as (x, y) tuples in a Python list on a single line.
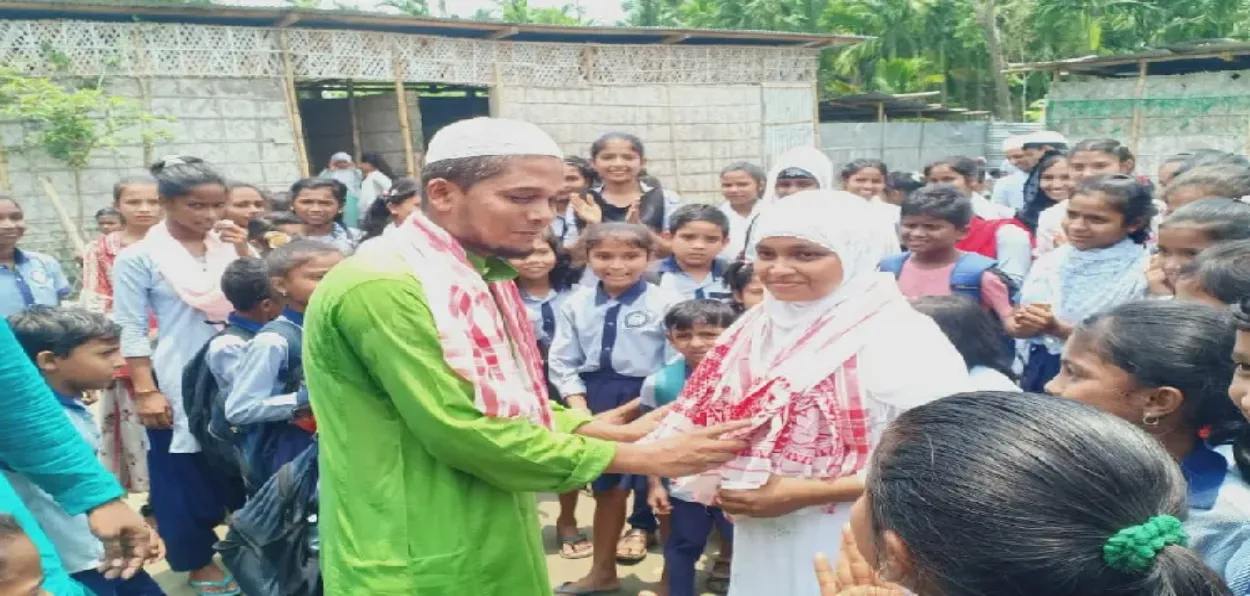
[(834, 353), (807, 168)]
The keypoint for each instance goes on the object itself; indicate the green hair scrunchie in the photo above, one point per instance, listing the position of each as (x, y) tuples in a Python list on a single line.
[(1134, 548)]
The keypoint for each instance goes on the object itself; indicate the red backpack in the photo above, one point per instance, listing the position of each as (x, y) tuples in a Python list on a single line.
[(982, 235)]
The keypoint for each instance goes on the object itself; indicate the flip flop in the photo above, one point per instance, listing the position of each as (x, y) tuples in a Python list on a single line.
[(634, 534), (574, 540), (567, 589), (224, 584)]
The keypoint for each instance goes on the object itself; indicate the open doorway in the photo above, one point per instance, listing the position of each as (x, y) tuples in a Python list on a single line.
[(357, 117)]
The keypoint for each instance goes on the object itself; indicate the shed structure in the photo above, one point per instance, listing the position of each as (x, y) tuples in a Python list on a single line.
[(269, 94)]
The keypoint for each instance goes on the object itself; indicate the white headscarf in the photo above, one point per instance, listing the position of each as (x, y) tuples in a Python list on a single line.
[(836, 223), (808, 159)]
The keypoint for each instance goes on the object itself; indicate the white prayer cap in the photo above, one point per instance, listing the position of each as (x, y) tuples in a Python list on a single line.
[(490, 137), (1045, 137), (341, 156), (1013, 142)]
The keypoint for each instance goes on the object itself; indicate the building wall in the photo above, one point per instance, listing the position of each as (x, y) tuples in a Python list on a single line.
[(240, 125), (1178, 113)]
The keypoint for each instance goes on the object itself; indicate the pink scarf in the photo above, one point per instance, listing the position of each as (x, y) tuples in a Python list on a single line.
[(485, 335), (802, 393), (197, 283)]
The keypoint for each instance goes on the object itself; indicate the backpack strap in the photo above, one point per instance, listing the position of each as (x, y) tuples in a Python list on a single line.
[(967, 274), (294, 336), (894, 263)]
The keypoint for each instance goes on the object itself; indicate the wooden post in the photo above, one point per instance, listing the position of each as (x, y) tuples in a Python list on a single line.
[(1138, 93), (145, 91), (881, 123), (292, 107), (6, 183), (71, 230), (672, 141), (405, 127), (816, 113), (355, 124)]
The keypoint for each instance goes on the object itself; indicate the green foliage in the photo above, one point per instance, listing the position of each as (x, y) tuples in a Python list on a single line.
[(69, 124), (520, 12), (419, 8)]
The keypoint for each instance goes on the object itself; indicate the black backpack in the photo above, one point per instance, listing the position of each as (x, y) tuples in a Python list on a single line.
[(205, 406)]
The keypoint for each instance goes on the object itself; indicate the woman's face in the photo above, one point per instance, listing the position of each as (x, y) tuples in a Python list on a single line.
[(1092, 222), (200, 209), (618, 162), (367, 168), (1086, 377), (401, 211), (1085, 164), (107, 224), (245, 205), (12, 224), (739, 188), (867, 183), (316, 206), (140, 205), (751, 295), (1179, 245), (1057, 181), (795, 270), (788, 186), (537, 265), (340, 164), (944, 174)]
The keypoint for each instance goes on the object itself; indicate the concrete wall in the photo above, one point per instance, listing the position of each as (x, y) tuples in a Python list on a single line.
[(902, 145), (694, 130), (1177, 113), (239, 125)]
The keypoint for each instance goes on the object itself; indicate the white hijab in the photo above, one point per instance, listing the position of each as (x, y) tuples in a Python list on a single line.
[(836, 223), (808, 159)]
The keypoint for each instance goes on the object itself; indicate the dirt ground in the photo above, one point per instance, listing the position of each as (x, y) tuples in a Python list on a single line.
[(635, 579)]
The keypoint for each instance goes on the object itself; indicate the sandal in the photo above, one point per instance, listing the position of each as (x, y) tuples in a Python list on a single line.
[(206, 588), (632, 547), (718, 577), (568, 546), (567, 589)]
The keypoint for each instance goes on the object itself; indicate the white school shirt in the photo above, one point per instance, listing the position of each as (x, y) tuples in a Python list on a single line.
[(738, 225), (373, 186)]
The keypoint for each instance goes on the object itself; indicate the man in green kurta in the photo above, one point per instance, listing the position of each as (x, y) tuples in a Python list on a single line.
[(426, 488)]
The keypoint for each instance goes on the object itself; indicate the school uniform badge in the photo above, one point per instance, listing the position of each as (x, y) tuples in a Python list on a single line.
[(39, 277), (638, 319)]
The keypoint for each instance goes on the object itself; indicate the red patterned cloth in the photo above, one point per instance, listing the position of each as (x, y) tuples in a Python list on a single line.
[(97, 273), (805, 399), (485, 334)]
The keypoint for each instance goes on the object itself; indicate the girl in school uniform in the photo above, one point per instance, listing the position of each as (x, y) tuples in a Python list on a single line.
[(319, 202), (174, 273), (744, 285), (579, 177), (26, 277), (623, 195), (1102, 265), (1044, 215), (1176, 390), (608, 338), (123, 439), (1190, 230), (815, 368), (742, 186)]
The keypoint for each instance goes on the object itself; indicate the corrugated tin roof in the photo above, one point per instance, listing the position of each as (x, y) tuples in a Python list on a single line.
[(1195, 56), (149, 11)]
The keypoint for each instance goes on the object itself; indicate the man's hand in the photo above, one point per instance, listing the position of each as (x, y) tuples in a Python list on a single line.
[(776, 498), (694, 452), (128, 541)]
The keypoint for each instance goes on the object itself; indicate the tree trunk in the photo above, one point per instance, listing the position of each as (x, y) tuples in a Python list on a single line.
[(1002, 97)]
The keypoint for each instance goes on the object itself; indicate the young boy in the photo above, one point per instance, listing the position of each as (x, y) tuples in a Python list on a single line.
[(693, 327), (77, 351), (246, 285), (698, 234), (934, 219), (268, 399)]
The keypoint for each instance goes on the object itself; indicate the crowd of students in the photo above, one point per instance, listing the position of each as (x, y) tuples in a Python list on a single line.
[(835, 310)]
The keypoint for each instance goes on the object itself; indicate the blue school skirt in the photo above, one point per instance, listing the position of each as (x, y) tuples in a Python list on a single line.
[(1039, 369), (606, 390)]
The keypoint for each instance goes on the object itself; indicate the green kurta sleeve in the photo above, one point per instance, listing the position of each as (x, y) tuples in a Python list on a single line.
[(394, 332), (566, 420)]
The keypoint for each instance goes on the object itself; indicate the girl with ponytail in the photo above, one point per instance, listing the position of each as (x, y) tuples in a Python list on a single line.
[(1176, 391)]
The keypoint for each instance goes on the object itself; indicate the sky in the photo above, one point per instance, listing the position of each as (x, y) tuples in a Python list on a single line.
[(606, 12)]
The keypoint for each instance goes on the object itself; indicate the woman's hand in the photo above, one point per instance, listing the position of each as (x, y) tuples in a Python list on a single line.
[(232, 233), (153, 409), (128, 541), (825, 576), (779, 496), (586, 209), (1157, 280)]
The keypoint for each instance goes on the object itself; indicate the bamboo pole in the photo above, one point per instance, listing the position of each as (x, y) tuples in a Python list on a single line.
[(1138, 93), (292, 107), (6, 182), (145, 92), (405, 127), (355, 124), (881, 123), (672, 141), (71, 230)]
